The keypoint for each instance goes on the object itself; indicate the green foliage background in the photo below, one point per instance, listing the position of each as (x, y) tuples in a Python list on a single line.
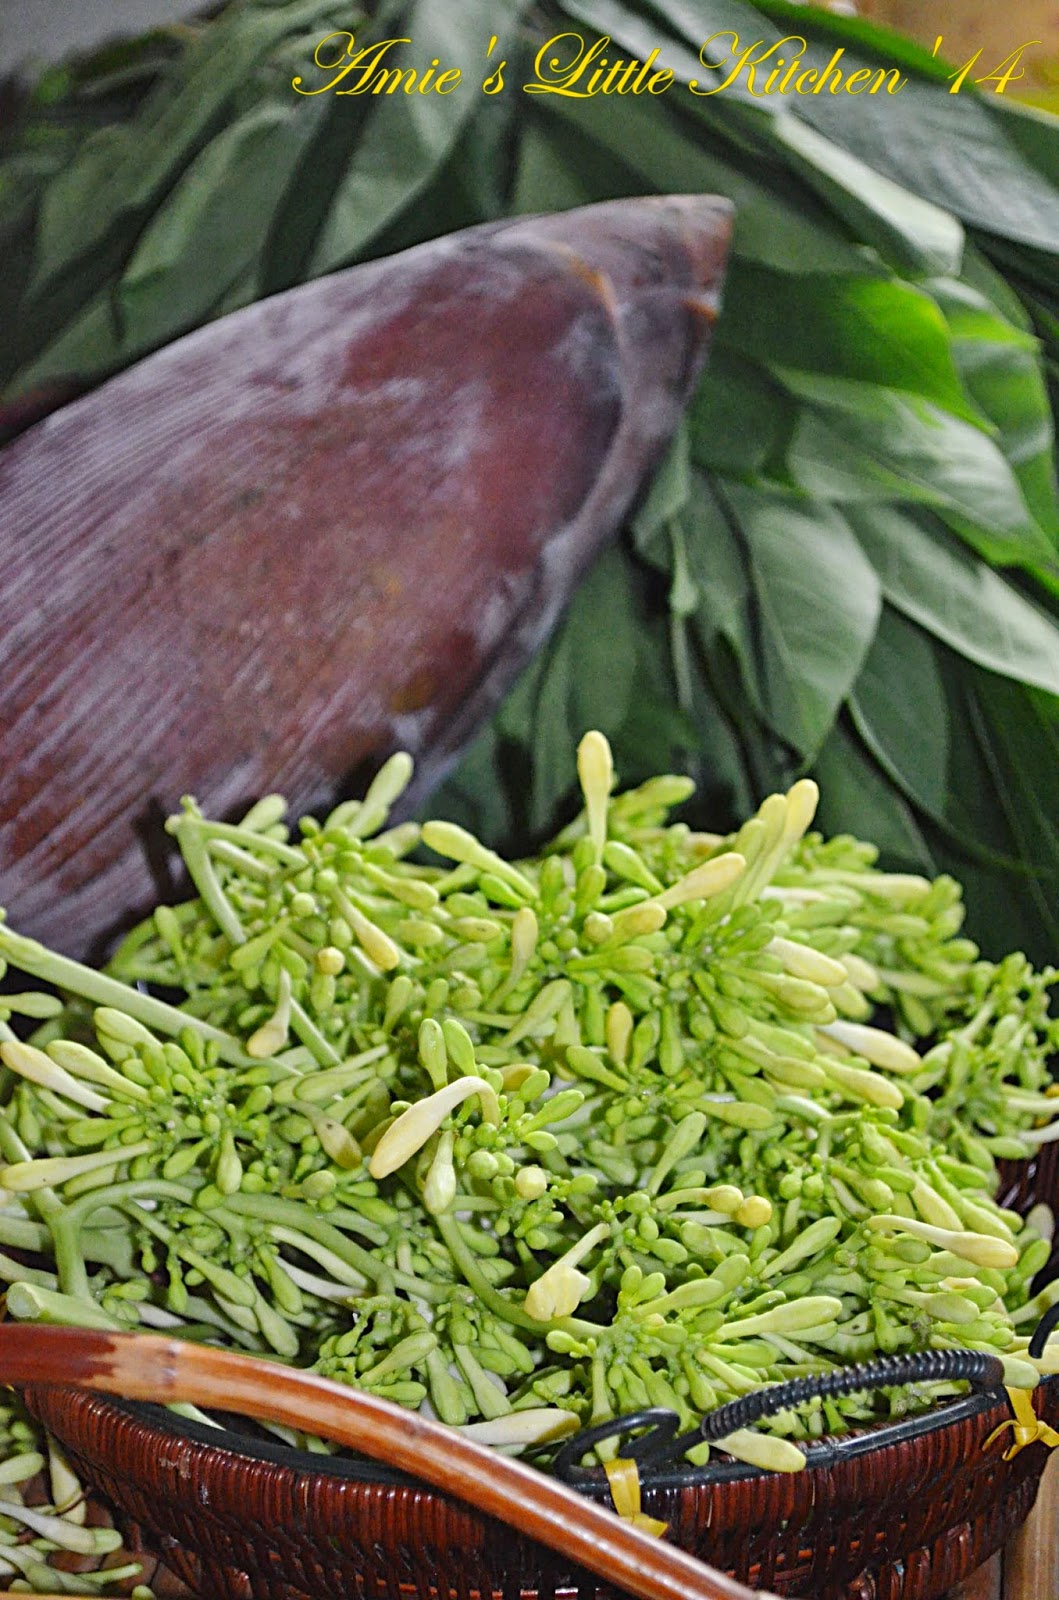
[(849, 564)]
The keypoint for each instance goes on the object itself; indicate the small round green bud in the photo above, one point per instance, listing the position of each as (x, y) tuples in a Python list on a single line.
[(330, 961), (754, 1212), (318, 1185)]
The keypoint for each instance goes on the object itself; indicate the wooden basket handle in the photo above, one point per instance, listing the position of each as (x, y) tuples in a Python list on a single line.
[(147, 1367)]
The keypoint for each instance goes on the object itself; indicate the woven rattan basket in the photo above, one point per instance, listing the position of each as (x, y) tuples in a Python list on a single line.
[(896, 1512), (899, 1512), (903, 1518)]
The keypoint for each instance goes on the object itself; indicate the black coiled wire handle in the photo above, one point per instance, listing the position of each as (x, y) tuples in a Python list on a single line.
[(662, 1445), (1043, 1331)]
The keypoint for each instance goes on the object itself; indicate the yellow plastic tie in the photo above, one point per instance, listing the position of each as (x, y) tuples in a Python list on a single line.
[(1025, 1424), (624, 1480)]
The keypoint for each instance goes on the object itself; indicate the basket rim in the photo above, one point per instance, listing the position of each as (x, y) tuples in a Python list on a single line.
[(822, 1454)]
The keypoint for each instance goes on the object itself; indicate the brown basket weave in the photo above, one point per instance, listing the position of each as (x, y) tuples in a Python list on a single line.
[(893, 1513)]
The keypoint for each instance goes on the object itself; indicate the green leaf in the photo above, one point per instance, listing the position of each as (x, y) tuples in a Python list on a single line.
[(736, 758), (659, 734), (477, 180), (479, 793), (88, 348), (1001, 370), (555, 736), (73, 214), (694, 23), (1002, 914), (980, 273), (125, 169), (697, 545), (198, 243), (899, 223), (926, 574), (1034, 132), (558, 169), (739, 417), (817, 601), (735, 749), (948, 149), (857, 796), (777, 222), (719, 571), (879, 43), (667, 495), (979, 155), (911, 706), (696, 20), (408, 136), (1008, 763), (615, 678), (874, 330), (901, 712), (294, 228), (1018, 734), (903, 225), (603, 676), (863, 441), (70, 299), (23, 177)]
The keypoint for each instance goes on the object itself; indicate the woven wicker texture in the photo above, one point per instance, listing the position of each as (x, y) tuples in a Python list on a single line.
[(903, 1520)]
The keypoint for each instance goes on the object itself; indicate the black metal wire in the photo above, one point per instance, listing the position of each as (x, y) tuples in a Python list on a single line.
[(663, 1445), (821, 1454), (656, 1445), (1043, 1331), (975, 1367)]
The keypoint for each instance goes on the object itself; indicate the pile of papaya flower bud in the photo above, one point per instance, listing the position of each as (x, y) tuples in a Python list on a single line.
[(46, 1544), (655, 1118)]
